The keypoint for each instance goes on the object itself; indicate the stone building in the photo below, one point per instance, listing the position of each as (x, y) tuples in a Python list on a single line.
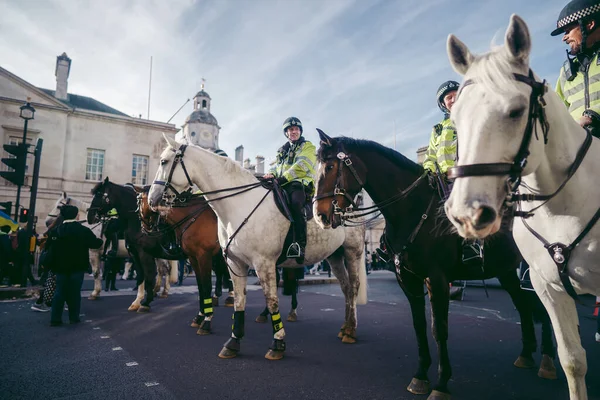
[(85, 140), (201, 127)]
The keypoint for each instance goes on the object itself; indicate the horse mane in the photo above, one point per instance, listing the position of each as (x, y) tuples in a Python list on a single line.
[(494, 71), (392, 155), (97, 187)]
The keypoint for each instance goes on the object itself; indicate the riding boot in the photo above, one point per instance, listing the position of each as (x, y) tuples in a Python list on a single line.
[(300, 235)]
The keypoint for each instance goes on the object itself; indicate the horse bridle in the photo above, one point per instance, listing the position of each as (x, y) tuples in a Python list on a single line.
[(559, 252), (338, 190), (177, 160), (61, 204)]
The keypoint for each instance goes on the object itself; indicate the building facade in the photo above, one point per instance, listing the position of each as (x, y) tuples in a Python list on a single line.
[(84, 140)]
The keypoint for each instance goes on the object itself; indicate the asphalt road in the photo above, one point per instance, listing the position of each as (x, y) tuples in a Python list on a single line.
[(93, 360)]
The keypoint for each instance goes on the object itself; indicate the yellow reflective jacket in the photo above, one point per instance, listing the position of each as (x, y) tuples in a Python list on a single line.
[(296, 162), (442, 147), (582, 92)]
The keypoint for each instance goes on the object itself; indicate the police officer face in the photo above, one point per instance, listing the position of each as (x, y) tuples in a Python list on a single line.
[(449, 99), (293, 133), (573, 37)]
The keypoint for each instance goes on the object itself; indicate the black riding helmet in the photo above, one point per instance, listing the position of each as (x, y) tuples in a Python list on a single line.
[(292, 121), (442, 91)]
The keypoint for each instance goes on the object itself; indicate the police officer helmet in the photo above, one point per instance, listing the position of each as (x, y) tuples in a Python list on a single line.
[(442, 91), (575, 11), (291, 121)]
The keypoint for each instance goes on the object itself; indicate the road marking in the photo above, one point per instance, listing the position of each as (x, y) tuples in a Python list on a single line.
[(131, 364), (327, 309), (104, 337), (393, 304), (117, 348), (96, 328), (88, 320), (148, 384)]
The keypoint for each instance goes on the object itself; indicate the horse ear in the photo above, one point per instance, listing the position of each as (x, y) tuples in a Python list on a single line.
[(459, 55), (171, 142), (326, 140), (517, 39), (64, 194)]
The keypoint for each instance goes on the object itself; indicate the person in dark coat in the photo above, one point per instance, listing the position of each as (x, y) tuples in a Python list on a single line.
[(70, 245)]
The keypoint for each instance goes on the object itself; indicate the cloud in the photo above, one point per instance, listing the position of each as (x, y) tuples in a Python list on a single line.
[(363, 68)]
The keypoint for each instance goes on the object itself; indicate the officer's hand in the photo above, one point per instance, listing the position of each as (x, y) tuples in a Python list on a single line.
[(585, 120), (281, 180), (268, 176)]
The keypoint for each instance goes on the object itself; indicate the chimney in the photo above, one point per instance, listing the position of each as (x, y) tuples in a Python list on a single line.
[(247, 163), (63, 67), (260, 165), (239, 154)]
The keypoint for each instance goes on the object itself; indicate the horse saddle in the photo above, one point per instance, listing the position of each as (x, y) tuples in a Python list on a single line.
[(282, 200), (171, 247)]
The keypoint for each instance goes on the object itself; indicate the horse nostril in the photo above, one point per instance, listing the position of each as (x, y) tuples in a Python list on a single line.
[(324, 218), (484, 216)]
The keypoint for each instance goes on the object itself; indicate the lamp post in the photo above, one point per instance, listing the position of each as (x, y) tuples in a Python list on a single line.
[(27, 113)]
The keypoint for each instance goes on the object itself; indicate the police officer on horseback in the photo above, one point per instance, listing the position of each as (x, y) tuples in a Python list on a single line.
[(578, 22), (295, 171)]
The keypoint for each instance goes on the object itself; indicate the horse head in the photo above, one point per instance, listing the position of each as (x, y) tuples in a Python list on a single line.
[(103, 201), (340, 179), (500, 105), (55, 212), (169, 176), (148, 217)]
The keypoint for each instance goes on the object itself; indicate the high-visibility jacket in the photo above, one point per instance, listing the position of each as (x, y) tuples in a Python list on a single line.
[(442, 147), (582, 92), (296, 162)]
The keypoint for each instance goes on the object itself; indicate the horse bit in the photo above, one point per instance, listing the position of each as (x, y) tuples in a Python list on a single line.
[(177, 160)]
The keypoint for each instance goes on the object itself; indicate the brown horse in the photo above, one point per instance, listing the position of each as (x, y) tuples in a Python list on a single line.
[(193, 224)]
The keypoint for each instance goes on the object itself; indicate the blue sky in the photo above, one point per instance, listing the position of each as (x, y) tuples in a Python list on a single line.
[(361, 68)]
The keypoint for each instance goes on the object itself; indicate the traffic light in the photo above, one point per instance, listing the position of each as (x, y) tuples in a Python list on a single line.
[(23, 215), (6, 207), (17, 163)]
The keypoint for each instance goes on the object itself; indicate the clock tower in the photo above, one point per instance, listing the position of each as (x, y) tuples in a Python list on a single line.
[(201, 127)]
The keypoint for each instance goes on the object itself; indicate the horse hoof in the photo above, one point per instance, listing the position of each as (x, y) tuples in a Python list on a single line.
[(133, 307), (436, 395), (163, 296), (418, 386), (261, 319), (348, 339), (547, 368), (143, 309), (215, 301), (194, 324), (274, 355), (229, 302), (292, 317), (227, 353), (341, 334), (523, 362), (92, 297), (203, 332)]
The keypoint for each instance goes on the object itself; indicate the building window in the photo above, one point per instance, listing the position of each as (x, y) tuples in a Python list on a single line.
[(139, 170), (95, 165), (203, 103)]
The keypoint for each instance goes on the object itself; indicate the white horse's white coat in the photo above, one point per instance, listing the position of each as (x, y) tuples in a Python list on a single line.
[(259, 243), (488, 134)]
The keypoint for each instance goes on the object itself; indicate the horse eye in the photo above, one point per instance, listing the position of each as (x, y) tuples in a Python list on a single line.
[(163, 162), (329, 168), (517, 113)]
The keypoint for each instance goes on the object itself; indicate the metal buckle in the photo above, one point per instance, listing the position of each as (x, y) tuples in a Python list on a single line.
[(347, 161), (341, 155), (337, 191)]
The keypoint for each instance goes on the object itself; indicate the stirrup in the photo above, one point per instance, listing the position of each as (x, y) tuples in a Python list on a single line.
[(383, 255), (294, 251), (476, 249)]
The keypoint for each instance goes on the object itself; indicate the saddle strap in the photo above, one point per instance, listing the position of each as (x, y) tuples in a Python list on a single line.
[(560, 254)]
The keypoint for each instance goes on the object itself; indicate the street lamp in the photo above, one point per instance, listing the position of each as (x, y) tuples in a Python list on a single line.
[(27, 112)]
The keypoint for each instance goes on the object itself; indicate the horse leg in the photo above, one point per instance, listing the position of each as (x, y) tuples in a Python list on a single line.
[(439, 297), (413, 290), (222, 266), (218, 285), (347, 331), (564, 317), (205, 272), (240, 278), (200, 316), (149, 267), (293, 315), (137, 303), (95, 261), (511, 283), (262, 317), (167, 287), (547, 368), (268, 281)]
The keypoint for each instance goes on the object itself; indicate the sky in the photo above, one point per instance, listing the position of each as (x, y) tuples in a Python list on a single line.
[(368, 69)]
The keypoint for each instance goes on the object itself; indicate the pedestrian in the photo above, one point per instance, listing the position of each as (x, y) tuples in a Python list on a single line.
[(598, 320), (181, 270), (6, 255), (69, 259), (22, 258), (40, 305)]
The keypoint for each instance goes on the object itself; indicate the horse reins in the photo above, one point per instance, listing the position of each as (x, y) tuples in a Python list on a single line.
[(559, 252)]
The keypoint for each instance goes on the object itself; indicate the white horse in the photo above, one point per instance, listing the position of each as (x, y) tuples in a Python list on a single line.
[(256, 238), (491, 116), (96, 228)]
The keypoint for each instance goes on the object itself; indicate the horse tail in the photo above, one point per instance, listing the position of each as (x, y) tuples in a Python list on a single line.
[(362, 280)]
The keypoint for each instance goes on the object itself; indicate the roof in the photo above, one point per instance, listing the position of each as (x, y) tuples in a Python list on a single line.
[(202, 116), (85, 103), (202, 93)]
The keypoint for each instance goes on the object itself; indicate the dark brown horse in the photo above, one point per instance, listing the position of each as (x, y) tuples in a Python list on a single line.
[(193, 224), (402, 192)]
